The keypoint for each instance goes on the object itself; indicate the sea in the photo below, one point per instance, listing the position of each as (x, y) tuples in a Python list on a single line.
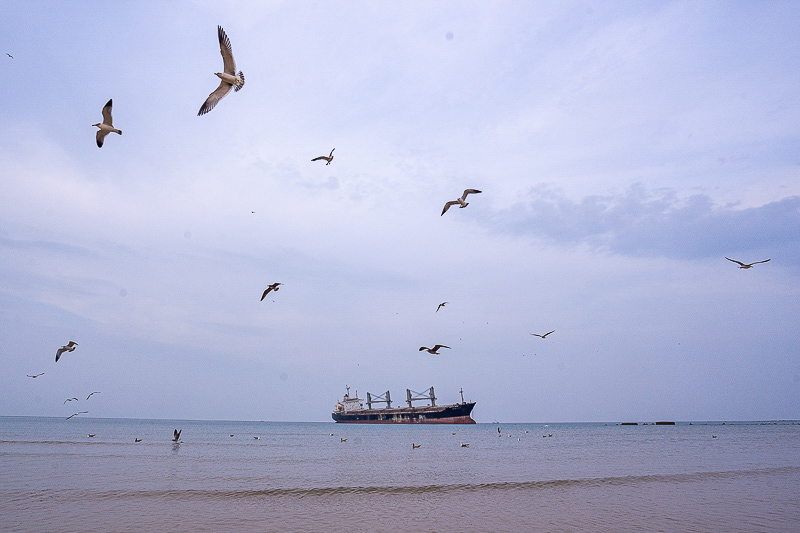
[(90, 475)]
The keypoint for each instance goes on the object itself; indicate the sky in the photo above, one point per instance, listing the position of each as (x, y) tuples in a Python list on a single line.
[(623, 149)]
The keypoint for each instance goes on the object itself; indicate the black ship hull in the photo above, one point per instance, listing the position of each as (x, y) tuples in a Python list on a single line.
[(458, 413)]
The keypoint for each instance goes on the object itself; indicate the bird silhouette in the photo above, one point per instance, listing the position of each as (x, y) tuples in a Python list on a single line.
[(273, 287), (70, 347), (542, 336), (90, 394), (229, 79), (434, 350), (106, 126), (35, 376), (441, 305), (70, 400), (746, 265), (460, 201), (176, 435), (328, 158), (76, 414)]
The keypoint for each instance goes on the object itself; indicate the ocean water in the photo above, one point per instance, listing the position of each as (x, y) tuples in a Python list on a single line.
[(705, 476)]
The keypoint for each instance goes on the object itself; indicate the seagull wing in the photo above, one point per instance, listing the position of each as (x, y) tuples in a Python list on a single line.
[(546, 334), (447, 206), (321, 157), (265, 293), (467, 192), (107, 113), (229, 65), (101, 135), (59, 352), (439, 346), (214, 98), (757, 262), (735, 261)]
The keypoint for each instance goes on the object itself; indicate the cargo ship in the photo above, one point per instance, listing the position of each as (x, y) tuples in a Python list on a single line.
[(351, 410)]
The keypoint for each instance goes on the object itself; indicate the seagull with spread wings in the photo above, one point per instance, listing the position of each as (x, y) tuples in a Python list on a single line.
[(70, 347), (229, 79), (90, 394), (460, 201), (542, 336), (70, 400), (35, 376), (176, 435), (106, 126), (441, 305), (76, 414), (746, 265), (273, 287), (434, 350), (328, 158)]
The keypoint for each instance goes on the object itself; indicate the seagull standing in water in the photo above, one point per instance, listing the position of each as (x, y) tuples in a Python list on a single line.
[(273, 287), (434, 350), (746, 265), (229, 79), (329, 158), (460, 201), (69, 347), (106, 126)]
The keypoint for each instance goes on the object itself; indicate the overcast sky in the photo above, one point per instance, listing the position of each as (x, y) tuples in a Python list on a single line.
[(624, 149)]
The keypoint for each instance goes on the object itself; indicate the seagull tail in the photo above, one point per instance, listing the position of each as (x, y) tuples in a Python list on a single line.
[(239, 85)]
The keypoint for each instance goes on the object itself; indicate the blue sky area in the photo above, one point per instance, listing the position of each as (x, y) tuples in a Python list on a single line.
[(624, 149)]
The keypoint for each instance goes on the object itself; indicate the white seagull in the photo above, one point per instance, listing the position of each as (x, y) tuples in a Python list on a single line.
[(70, 347), (434, 350), (460, 201), (229, 79), (329, 158), (106, 126), (746, 265), (542, 336), (273, 287)]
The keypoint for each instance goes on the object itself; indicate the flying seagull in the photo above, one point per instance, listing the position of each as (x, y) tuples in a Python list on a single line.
[(460, 201), (36, 376), (176, 435), (137, 439), (329, 158), (76, 414), (434, 350), (70, 400), (415, 446), (106, 126), (542, 336), (746, 265), (90, 394), (70, 347), (9, 55), (273, 287), (441, 305), (229, 79)]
